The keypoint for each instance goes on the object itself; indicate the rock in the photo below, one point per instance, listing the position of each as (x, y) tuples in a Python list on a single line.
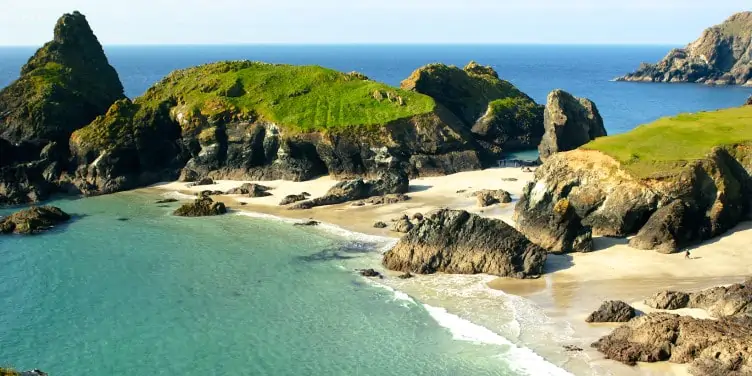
[(243, 203), (667, 230), (122, 219), (711, 347), (572, 348), (12, 372), (509, 179), (208, 193), (668, 300), (358, 203), (612, 311), (291, 199), (308, 223), (166, 201), (454, 241), (749, 101), (380, 225), (203, 181), (721, 56), (499, 115), (489, 197), (403, 226), (370, 273), (250, 190), (201, 207), (33, 220), (389, 182), (417, 217), (387, 199), (569, 123), (406, 275)]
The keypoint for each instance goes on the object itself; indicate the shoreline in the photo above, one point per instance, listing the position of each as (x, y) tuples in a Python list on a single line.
[(574, 285)]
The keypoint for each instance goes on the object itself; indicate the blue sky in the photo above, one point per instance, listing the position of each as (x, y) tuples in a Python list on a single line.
[(29, 22)]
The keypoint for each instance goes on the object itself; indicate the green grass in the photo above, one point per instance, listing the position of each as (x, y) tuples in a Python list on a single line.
[(663, 147), (304, 98)]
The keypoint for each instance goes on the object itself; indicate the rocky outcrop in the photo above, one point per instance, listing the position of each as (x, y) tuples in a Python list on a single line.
[(291, 199), (721, 56), (201, 207), (33, 220), (500, 116), (749, 101), (454, 241), (64, 86), (12, 372), (711, 347), (585, 190), (612, 311), (251, 190), (722, 301), (389, 182), (569, 123), (488, 197)]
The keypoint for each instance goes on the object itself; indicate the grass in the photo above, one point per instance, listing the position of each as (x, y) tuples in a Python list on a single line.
[(663, 147), (305, 98)]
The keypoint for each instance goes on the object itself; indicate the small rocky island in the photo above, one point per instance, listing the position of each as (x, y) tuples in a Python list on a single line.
[(721, 56), (33, 220)]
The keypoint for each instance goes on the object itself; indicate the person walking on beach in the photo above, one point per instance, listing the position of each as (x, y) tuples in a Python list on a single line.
[(686, 255)]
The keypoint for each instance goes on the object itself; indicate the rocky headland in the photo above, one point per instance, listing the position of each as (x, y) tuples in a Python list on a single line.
[(721, 56), (33, 220)]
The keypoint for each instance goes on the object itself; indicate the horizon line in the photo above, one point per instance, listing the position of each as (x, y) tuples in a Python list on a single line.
[(356, 44)]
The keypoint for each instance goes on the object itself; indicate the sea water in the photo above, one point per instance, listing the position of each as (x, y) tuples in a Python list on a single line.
[(128, 289)]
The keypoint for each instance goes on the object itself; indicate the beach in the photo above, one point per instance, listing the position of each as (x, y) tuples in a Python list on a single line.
[(574, 284)]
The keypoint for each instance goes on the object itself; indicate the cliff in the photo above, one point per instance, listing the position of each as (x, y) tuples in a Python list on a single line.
[(569, 122), (673, 183), (721, 56)]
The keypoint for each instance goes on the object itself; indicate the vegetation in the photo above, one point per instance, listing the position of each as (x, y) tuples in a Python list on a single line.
[(304, 98), (516, 113), (665, 146)]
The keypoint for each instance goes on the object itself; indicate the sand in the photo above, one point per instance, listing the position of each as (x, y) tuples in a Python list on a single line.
[(574, 285)]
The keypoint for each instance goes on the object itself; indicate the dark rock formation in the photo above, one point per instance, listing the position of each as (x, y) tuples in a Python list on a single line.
[(501, 117), (387, 199), (406, 275), (250, 190), (403, 226), (291, 199), (33, 220), (612, 311), (583, 189), (453, 241), (417, 217), (389, 182), (64, 86), (166, 201), (203, 181), (734, 300), (721, 56), (488, 197), (712, 347), (370, 273), (569, 123), (201, 207), (308, 223), (380, 225)]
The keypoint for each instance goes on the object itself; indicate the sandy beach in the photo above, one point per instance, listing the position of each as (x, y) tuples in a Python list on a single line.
[(574, 285)]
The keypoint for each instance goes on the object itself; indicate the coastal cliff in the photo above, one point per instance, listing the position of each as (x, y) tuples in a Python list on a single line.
[(692, 186), (721, 56), (569, 122)]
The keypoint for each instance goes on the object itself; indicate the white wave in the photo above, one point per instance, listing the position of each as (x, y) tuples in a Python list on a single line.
[(178, 196), (398, 295), (265, 216), (521, 359)]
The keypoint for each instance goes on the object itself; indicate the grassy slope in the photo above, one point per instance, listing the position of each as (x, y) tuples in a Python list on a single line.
[(663, 147), (304, 98)]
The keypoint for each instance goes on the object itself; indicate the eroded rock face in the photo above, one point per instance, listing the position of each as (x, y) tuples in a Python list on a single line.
[(712, 347), (722, 301), (569, 123), (488, 197), (612, 311), (721, 56), (389, 182), (668, 300), (33, 220), (201, 207), (455, 241), (587, 189), (251, 190)]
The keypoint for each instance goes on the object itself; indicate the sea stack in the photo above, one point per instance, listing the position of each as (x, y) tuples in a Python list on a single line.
[(569, 123), (721, 56)]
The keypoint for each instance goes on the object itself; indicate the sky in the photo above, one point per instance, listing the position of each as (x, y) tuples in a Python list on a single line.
[(139, 22)]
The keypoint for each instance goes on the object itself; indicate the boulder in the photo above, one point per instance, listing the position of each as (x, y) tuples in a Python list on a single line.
[(406, 275), (417, 217), (749, 101), (389, 182), (569, 123), (455, 241), (721, 56), (387, 199), (711, 347), (488, 197), (370, 273), (612, 311), (166, 201), (380, 225), (250, 190), (667, 230), (403, 226), (33, 220), (291, 199), (201, 207), (307, 223), (668, 300)]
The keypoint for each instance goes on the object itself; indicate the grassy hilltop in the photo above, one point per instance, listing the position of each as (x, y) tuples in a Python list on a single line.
[(663, 147)]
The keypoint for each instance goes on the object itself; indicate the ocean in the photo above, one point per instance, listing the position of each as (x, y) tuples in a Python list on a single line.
[(128, 289)]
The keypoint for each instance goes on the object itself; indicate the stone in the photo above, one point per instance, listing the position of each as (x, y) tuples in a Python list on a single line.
[(202, 181), (250, 190), (33, 220), (569, 123), (370, 273), (721, 56), (201, 207), (612, 311), (572, 348), (380, 225), (668, 300), (667, 230), (417, 217), (457, 242), (406, 275), (721, 301), (291, 199), (166, 201), (387, 199), (402, 226), (388, 182), (488, 197), (308, 223)]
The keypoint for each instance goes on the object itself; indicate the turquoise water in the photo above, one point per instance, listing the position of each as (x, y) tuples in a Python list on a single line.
[(160, 295)]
